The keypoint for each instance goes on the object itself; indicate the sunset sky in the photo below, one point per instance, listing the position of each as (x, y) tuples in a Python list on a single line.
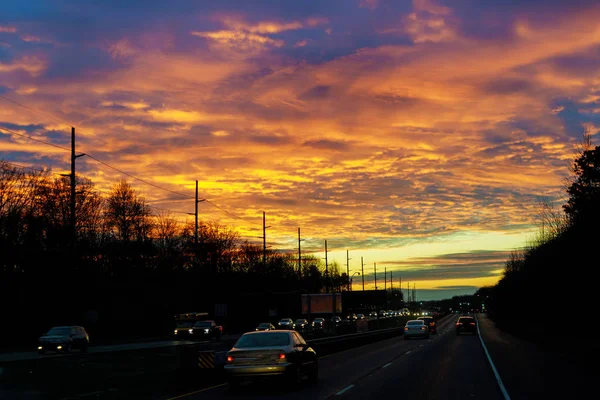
[(419, 135)]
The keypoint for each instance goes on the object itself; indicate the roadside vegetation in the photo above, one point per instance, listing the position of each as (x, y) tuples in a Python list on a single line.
[(548, 292), (126, 269)]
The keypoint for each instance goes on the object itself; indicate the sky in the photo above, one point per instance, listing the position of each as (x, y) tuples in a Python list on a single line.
[(418, 136)]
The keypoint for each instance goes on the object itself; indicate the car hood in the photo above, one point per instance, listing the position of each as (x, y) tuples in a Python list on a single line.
[(54, 338)]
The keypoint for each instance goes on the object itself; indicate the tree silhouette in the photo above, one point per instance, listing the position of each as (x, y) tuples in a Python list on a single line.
[(583, 206)]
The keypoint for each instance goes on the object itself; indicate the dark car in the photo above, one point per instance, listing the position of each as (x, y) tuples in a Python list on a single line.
[(265, 326), (318, 324), (285, 323), (271, 354), (207, 329), (466, 325), (429, 321), (301, 325), (64, 339)]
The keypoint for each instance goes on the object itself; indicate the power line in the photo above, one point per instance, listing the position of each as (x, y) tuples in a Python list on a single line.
[(34, 139), (230, 213), (134, 177), (34, 110)]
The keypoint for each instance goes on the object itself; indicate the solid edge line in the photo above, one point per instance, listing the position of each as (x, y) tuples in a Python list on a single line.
[(344, 390), (196, 392), (496, 374), (387, 365)]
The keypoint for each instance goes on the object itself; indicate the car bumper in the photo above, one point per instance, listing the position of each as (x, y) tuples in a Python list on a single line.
[(58, 347), (248, 371)]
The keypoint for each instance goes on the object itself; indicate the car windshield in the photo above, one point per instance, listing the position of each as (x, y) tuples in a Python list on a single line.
[(300, 321), (415, 322), (264, 325), (185, 324), (58, 331), (263, 340), (202, 324), (466, 320)]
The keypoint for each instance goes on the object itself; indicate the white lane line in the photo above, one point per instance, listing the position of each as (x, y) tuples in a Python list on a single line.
[(408, 352), (387, 365), (196, 392), (496, 374), (344, 390)]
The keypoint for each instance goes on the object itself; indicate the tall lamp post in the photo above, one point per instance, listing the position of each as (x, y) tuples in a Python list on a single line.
[(350, 286)]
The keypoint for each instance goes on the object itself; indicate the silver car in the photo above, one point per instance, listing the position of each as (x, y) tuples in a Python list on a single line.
[(268, 354), (285, 323), (416, 328)]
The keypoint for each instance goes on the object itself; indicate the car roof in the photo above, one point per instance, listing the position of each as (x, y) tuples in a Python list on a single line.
[(268, 332), (414, 320)]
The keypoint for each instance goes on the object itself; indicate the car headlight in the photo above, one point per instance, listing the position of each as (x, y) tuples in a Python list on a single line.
[(176, 331), (190, 330), (206, 330)]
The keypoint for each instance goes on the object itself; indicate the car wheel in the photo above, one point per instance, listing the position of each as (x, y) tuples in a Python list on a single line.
[(314, 374)]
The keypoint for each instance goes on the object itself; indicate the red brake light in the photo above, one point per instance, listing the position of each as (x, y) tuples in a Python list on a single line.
[(431, 323), (458, 324), (406, 328), (229, 358), (422, 328), (281, 356), (471, 323)]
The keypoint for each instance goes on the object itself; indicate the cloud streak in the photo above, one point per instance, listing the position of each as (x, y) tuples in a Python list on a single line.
[(378, 124)]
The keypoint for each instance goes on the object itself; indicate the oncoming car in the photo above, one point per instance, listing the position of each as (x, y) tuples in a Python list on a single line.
[(271, 354), (63, 339)]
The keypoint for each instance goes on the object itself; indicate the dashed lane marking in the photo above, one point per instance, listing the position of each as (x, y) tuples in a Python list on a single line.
[(344, 390)]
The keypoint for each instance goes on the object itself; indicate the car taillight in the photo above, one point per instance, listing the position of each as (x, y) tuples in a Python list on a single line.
[(406, 328), (458, 324), (229, 359), (431, 324), (471, 323), (422, 328), (281, 356)]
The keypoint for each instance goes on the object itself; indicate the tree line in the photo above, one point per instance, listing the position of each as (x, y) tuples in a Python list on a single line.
[(126, 269), (555, 277)]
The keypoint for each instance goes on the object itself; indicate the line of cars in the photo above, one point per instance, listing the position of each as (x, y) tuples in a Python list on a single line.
[(426, 325)]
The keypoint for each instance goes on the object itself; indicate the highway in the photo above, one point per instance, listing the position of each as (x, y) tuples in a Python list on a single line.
[(445, 366), (442, 367)]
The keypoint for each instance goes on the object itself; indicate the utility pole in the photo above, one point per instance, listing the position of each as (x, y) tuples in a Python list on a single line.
[(408, 292), (391, 281), (326, 270), (384, 278), (348, 268), (375, 274), (264, 237), (196, 217), (72, 207), (299, 256), (73, 216), (362, 272)]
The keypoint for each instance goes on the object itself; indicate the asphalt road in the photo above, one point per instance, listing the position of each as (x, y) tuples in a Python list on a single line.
[(93, 349), (442, 367), (445, 366)]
